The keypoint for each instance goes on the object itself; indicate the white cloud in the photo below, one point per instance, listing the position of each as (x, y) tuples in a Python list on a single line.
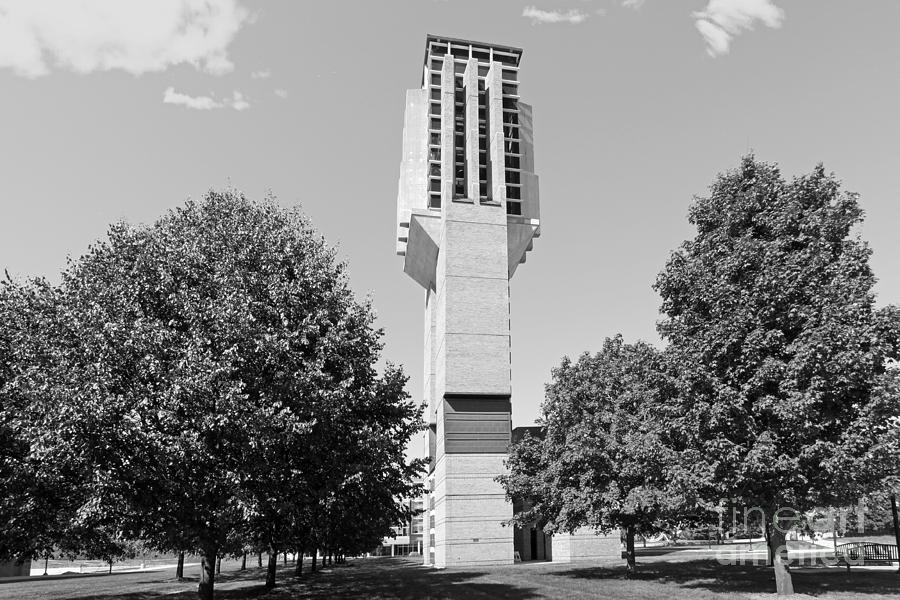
[(281, 93), (237, 101), (539, 16), (101, 35), (635, 4), (261, 74), (724, 19), (170, 96)]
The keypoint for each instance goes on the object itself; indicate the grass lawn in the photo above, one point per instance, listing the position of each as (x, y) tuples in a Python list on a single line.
[(400, 578)]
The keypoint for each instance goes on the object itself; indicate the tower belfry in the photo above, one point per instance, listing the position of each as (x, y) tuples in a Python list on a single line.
[(467, 213)]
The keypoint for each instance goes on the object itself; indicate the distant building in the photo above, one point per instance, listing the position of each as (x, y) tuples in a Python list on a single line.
[(14, 569), (409, 536)]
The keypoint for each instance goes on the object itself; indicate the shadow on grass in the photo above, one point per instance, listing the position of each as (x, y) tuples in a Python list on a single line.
[(363, 578), (715, 577), (402, 579)]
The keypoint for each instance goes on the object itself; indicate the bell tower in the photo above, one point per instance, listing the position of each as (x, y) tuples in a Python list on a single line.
[(467, 214)]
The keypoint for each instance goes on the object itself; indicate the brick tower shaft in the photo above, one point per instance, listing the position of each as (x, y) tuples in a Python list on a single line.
[(467, 214)]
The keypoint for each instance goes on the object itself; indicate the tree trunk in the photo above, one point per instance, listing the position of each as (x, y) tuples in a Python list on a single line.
[(110, 567), (179, 570), (207, 575), (219, 566), (778, 550), (314, 554), (299, 570), (285, 557), (629, 548), (896, 525), (244, 562), (259, 559), (270, 570)]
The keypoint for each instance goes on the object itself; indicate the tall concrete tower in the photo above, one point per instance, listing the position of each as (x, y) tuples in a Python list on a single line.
[(467, 212)]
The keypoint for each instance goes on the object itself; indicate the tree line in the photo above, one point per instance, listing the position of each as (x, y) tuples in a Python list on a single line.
[(777, 388), (205, 384)]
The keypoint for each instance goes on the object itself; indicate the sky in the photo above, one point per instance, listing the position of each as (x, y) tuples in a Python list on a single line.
[(114, 109)]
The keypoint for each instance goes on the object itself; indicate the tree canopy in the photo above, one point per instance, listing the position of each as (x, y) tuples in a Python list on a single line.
[(771, 321), (607, 459), (205, 383), (776, 392)]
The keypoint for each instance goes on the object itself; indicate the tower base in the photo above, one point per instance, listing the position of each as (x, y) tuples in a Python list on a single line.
[(469, 510)]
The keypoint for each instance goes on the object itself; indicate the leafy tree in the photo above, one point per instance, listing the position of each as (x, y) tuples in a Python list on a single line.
[(606, 458), (203, 384), (44, 484), (772, 324), (29, 503), (213, 347), (880, 461), (354, 503)]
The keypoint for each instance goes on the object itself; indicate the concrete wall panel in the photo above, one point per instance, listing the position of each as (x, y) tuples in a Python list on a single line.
[(586, 546), (476, 364), (477, 305), (479, 249)]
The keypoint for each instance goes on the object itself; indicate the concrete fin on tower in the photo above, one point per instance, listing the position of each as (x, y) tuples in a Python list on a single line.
[(421, 255), (520, 234)]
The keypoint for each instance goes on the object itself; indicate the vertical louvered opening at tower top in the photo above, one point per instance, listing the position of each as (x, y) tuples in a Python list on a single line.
[(459, 52), (459, 137), (511, 147), (483, 181)]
